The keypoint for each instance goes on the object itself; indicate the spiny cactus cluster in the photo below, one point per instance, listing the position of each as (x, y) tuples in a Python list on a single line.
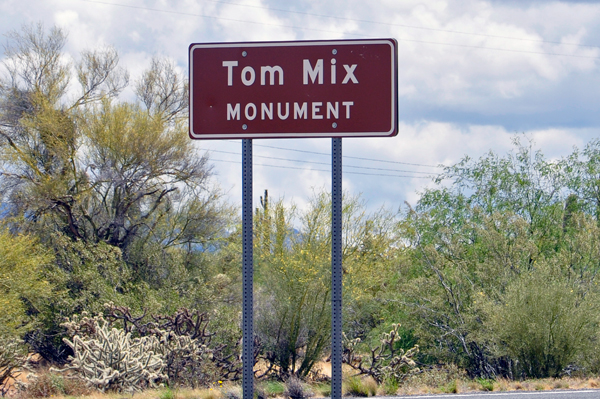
[(385, 362), (174, 349), (189, 357), (110, 359), (187, 361)]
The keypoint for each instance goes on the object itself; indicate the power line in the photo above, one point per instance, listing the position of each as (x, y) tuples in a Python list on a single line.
[(398, 162), (323, 170), (401, 25), (499, 49), (187, 14), (347, 156), (350, 34), (323, 163)]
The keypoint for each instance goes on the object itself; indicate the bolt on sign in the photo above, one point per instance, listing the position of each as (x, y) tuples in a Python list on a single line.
[(342, 88)]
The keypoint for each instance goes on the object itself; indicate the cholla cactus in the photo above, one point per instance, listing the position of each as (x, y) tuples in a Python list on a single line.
[(111, 359), (187, 360), (186, 348), (385, 362), (170, 348)]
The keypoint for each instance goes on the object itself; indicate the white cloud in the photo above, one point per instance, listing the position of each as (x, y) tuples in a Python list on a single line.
[(261, 24), (455, 97), (424, 143)]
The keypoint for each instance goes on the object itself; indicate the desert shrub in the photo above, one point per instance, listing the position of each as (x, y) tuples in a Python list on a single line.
[(12, 357), (357, 386), (451, 387), (272, 388), (42, 386), (390, 387), (47, 384), (296, 389), (84, 277), (167, 394), (188, 362), (486, 384), (543, 321), (293, 312), (322, 389), (23, 290), (436, 376)]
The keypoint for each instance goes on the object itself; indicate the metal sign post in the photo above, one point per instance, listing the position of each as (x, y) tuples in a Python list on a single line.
[(336, 268), (247, 273)]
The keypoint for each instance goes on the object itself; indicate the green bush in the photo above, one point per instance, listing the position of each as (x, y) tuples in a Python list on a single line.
[(167, 393), (390, 386), (273, 388), (48, 384), (543, 322), (84, 276), (23, 289), (356, 386), (12, 357), (451, 387), (486, 384), (323, 389), (293, 295)]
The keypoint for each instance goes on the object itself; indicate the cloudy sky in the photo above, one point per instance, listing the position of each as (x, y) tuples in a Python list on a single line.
[(472, 73)]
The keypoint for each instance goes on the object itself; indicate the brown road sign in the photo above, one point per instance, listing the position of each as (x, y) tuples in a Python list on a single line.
[(342, 88)]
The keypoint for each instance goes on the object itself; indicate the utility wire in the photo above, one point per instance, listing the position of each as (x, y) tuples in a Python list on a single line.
[(187, 14), (345, 33), (323, 170), (322, 163), (345, 156), (400, 25)]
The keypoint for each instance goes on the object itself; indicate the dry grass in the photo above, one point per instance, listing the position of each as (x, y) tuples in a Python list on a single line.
[(466, 385), (434, 381), (359, 386), (462, 386)]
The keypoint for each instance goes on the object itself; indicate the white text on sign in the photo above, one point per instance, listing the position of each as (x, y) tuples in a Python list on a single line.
[(310, 74), (332, 110)]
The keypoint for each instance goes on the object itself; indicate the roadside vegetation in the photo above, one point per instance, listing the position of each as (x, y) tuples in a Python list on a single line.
[(120, 259)]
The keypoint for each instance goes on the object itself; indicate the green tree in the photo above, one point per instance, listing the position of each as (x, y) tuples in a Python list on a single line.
[(293, 266), (522, 182), (450, 276), (583, 171), (498, 220), (94, 168), (40, 142), (116, 189), (293, 312)]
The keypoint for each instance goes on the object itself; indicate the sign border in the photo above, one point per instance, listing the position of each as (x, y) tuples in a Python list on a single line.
[(294, 135)]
